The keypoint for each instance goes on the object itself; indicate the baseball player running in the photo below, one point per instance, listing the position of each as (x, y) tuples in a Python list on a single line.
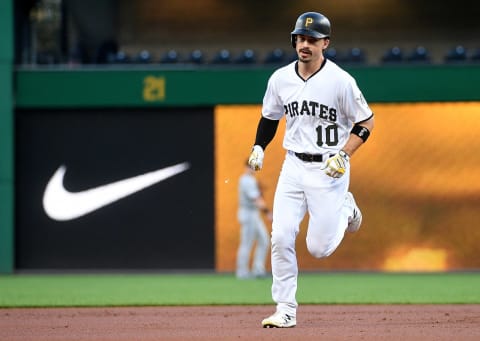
[(327, 120)]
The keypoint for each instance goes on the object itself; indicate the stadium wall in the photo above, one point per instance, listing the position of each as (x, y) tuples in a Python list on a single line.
[(50, 95), (6, 138), (57, 110)]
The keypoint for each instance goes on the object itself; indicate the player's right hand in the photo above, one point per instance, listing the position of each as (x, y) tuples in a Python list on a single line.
[(256, 158)]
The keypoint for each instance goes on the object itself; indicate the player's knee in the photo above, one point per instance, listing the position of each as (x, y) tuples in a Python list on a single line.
[(282, 241), (320, 253), (318, 250)]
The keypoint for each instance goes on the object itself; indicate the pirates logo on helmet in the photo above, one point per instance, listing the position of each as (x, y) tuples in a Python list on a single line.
[(311, 24)]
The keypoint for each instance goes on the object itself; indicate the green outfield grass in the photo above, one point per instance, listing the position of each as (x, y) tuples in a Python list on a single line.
[(218, 289)]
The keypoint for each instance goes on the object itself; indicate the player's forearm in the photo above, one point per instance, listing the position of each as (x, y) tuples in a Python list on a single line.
[(354, 142), (265, 132)]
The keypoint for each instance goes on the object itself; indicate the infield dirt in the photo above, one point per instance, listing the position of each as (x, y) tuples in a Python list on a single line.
[(314, 322)]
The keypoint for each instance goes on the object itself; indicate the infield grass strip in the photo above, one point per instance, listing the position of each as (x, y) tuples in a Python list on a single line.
[(225, 289)]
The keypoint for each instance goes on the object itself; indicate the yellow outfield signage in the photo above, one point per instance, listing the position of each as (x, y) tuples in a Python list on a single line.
[(416, 181), (154, 89)]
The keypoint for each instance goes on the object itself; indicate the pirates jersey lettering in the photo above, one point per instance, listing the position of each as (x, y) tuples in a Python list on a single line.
[(311, 108), (319, 111)]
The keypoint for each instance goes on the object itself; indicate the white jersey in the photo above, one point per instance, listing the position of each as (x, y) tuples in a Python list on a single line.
[(319, 111)]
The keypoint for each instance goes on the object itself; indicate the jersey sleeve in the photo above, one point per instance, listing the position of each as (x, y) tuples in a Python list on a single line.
[(272, 105), (355, 105)]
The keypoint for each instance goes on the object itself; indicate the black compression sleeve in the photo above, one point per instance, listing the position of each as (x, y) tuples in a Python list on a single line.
[(265, 132)]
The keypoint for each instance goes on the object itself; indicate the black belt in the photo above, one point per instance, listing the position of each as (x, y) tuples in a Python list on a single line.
[(309, 157)]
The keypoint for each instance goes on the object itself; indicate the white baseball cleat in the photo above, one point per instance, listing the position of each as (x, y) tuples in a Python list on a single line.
[(279, 320), (356, 220)]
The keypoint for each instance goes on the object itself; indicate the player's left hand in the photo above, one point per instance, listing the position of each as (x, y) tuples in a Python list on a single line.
[(336, 165)]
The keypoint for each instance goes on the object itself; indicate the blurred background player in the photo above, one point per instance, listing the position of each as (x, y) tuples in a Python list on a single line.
[(253, 230)]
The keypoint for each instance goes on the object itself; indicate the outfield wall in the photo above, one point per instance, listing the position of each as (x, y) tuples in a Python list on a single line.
[(131, 86), (80, 116)]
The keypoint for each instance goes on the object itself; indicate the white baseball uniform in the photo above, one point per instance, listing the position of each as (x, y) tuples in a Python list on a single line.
[(320, 113)]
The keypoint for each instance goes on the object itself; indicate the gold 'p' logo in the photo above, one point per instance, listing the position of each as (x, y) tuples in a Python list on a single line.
[(308, 21), (153, 89)]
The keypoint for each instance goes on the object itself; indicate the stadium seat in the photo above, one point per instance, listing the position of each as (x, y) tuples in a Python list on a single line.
[(332, 54), (121, 57), (143, 57), (475, 57), (196, 57), (355, 55), (393, 55), (276, 56), (419, 55), (222, 57), (456, 54), (170, 57), (292, 57), (246, 57)]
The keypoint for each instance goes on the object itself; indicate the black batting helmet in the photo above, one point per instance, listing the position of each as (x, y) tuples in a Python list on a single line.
[(311, 24)]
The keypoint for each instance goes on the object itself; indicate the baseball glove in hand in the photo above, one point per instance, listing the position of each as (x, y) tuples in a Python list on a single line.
[(256, 158), (336, 165)]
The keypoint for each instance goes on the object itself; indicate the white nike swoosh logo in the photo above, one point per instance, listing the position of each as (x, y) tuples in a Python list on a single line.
[(62, 205)]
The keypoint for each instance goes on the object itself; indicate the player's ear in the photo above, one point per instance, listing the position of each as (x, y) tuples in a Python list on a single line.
[(326, 42)]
